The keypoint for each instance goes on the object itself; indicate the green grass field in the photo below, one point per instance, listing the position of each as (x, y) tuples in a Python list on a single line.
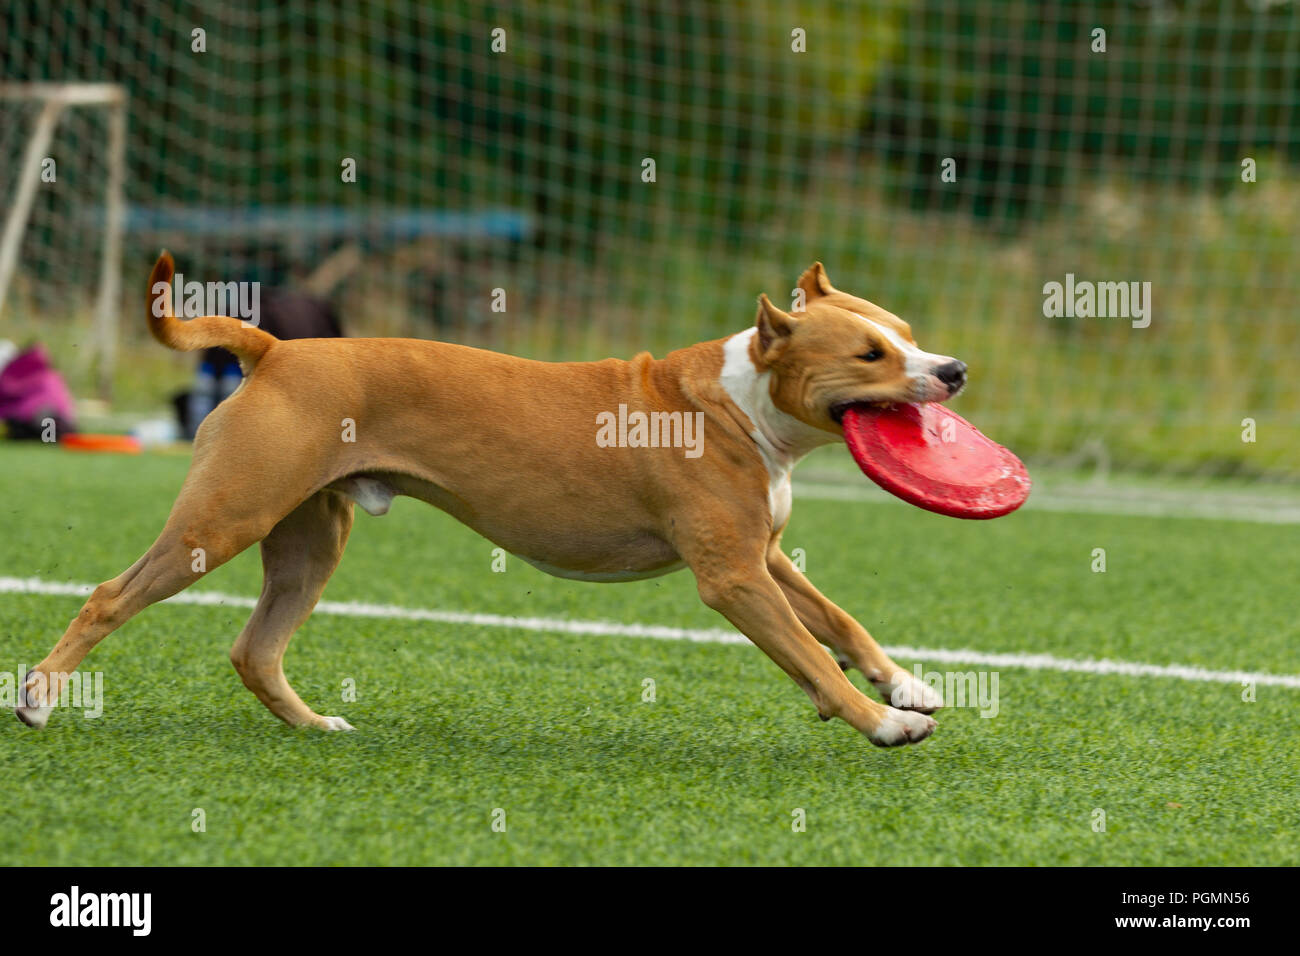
[(454, 722)]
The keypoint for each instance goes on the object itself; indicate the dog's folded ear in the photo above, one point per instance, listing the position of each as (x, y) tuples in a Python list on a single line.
[(774, 326), (815, 282)]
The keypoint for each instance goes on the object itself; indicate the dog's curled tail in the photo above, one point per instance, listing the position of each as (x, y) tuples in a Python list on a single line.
[(248, 342)]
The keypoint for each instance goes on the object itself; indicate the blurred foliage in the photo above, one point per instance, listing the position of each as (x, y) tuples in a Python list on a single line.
[(1012, 90), (414, 91), (1015, 92)]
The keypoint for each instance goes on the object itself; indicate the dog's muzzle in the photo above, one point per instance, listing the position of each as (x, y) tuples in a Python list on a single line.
[(952, 375)]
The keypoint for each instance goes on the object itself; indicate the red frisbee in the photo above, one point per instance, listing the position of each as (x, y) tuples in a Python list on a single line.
[(933, 458)]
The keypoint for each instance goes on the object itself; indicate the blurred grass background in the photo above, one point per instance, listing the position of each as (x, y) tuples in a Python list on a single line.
[(1122, 165)]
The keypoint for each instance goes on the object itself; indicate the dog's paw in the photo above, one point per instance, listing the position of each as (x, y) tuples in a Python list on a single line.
[(334, 723), (902, 727), (906, 692), (31, 710)]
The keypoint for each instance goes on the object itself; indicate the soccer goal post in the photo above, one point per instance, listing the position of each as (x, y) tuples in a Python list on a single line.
[(48, 105)]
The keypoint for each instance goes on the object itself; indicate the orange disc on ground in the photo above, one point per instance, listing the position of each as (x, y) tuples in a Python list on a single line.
[(81, 441)]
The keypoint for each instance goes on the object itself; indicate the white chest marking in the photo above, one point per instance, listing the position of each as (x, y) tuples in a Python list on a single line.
[(781, 439)]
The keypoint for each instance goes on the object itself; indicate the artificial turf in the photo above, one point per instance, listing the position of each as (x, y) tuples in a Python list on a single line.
[(457, 724)]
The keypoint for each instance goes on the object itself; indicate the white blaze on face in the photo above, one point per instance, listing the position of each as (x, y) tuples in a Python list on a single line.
[(918, 365)]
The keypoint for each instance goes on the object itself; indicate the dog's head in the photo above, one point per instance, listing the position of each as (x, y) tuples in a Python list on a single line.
[(841, 351)]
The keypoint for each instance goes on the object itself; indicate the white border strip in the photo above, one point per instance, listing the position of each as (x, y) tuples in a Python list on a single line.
[(1036, 662)]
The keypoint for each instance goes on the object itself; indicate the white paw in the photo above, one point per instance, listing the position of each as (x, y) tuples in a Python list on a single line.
[(29, 711), (33, 716), (335, 723), (906, 692), (902, 727)]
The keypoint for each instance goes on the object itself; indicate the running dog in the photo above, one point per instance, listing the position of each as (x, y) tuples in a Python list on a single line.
[(513, 449)]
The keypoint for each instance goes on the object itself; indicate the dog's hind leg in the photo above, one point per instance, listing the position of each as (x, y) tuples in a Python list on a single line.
[(192, 543), (298, 557)]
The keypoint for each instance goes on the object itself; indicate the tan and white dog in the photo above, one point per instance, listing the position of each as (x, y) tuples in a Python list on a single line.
[(509, 447)]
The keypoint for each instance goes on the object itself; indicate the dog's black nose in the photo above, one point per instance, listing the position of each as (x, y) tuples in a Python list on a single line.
[(953, 375)]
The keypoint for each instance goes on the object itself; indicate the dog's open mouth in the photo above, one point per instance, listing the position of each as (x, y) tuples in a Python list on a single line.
[(839, 408)]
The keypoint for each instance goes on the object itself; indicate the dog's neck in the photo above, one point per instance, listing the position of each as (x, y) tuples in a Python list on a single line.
[(782, 439)]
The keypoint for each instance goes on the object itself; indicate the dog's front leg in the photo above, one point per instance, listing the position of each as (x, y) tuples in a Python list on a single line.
[(837, 629), (736, 583)]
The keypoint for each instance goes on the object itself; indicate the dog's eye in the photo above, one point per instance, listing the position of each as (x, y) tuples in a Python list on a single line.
[(873, 356)]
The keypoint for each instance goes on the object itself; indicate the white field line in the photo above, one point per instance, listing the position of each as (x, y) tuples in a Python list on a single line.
[(1037, 662), (1126, 502)]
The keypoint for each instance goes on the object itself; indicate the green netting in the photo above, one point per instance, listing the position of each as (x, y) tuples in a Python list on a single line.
[(780, 133)]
